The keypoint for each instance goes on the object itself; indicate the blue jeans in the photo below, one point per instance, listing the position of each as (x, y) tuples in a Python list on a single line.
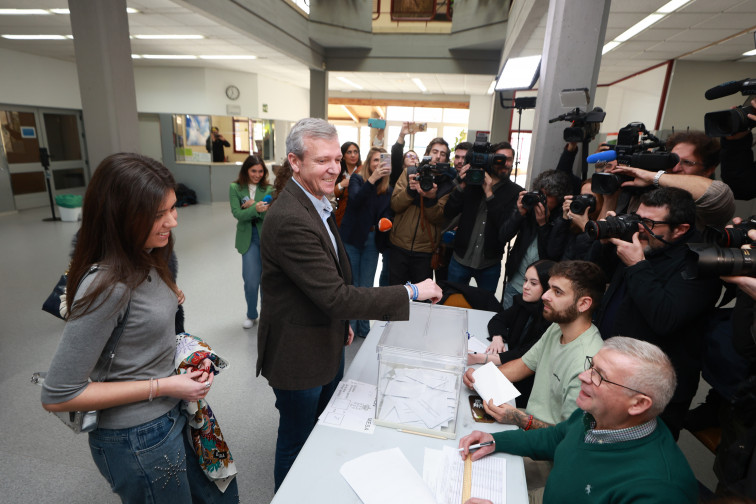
[(364, 262), (487, 278), (251, 272), (154, 462), (299, 411)]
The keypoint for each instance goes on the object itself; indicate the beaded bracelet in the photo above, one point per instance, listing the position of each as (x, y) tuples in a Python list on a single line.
[(415, 290), (530, 422), (150, 398)]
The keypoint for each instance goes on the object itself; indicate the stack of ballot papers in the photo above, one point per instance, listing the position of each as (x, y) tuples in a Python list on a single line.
[(443, 472), (491, 383), (351, 407), (417, 397)]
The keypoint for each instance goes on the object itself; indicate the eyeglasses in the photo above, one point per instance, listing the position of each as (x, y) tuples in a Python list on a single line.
[(597, 379), (649, 224)]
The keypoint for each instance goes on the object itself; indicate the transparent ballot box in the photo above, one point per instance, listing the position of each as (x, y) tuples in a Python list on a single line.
[(420, 367)]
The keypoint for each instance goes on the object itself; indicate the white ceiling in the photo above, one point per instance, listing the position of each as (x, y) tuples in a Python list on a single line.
[(705, 30)]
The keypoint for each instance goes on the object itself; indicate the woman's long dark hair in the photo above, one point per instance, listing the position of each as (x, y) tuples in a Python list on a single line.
[(344, 170), (542, 267), (119, 211), (243, 178)]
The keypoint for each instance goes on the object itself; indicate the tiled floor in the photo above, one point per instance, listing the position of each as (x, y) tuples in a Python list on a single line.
[(42, 461)]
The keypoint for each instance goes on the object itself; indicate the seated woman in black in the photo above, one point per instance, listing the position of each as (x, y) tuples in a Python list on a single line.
[(516, 329)]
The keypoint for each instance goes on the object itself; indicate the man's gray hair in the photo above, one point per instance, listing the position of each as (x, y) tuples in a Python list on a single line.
[(309, 127), (653, 373)]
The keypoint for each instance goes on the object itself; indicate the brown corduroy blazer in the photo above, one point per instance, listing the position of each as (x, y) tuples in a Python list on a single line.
[(307, 299)]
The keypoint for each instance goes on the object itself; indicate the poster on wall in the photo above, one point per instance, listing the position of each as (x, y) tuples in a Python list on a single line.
[(197, 129)]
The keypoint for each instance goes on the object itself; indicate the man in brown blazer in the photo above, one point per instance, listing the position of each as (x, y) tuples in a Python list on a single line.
[(307, 296)]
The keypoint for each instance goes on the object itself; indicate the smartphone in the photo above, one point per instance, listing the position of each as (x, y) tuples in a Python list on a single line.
[(421, 126), (244, 199), (385, 159), (377, 123)]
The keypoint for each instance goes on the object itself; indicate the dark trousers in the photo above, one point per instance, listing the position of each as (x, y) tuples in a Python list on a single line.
[(299, 411), (406, 266)]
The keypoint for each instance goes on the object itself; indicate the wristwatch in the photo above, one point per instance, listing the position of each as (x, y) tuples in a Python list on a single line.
[(657, 177)]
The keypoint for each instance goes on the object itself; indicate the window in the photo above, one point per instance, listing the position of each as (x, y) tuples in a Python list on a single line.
[(242, 137)]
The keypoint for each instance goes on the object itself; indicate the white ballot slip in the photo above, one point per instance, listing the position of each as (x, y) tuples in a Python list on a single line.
[(351, 407), (443, 472), (386, 477), (491, 383)]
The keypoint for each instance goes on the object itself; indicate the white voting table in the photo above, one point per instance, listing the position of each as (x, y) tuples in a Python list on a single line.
[(315, 476)]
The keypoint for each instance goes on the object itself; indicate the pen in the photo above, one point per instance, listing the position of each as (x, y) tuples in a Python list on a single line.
[(479, 445)]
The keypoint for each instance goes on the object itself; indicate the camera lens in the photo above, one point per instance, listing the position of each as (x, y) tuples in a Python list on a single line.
[(704, 260)]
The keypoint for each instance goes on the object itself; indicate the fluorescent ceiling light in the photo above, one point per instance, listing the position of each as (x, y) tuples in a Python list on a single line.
[(420, 84), (519, 73), (752, 52), (227, 57), (672, 6), (170, 56), (349, 112), (136, 56), (34, 37), (168, 37), (609, 46), (350, 83), (129, 10), (491, 87), (638, 27), (24, 12)]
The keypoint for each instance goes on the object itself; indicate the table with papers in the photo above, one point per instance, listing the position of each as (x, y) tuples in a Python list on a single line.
[(315, 475)]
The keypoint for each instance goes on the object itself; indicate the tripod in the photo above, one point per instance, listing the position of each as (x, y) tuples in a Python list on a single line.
[(44, 158)]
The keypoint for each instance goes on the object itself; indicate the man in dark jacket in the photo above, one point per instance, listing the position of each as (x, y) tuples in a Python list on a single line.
[(482, 210), (649, 299)]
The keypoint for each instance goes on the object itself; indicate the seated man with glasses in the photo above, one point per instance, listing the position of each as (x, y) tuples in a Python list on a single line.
[(613, 448), (699, 157), (648, 298)]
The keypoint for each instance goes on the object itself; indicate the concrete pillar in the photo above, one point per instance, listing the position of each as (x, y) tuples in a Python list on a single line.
[(318, 93), (106, 77), (575, 32), (501, 120)]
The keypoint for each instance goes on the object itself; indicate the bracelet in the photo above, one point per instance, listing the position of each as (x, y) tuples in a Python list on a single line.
[(530, 422), (415, 290), (486, 361), (157, 387), (657, 177), (150, 398)]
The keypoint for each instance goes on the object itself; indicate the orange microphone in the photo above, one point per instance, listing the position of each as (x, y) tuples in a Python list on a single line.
[(385, 225)]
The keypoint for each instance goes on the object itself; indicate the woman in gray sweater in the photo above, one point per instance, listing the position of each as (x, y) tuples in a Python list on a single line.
[(139, 445)]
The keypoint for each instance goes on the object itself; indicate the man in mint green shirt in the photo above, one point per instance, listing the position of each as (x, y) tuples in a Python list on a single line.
[(613, 448), (575, 289)]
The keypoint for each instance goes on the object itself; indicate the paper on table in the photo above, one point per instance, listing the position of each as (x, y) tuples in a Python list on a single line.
[(476, 345), (386, 476), (351, 407), (491, 383), (443, 472)]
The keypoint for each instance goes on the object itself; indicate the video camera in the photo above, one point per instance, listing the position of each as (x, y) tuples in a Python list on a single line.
[(728, 122), (429, 174), (615, 226), (585, 124), (482, 161), (633, 143)]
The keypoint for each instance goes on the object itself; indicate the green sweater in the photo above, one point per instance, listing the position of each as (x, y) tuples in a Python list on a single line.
[(647, 470)]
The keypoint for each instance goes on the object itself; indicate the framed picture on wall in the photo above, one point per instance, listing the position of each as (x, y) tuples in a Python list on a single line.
[(197, 129)]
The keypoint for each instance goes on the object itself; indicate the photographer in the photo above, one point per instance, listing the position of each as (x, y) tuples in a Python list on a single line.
[(482, 210), (531, 221), (215, 143), (568, 239), (418, 219), (649, 299), (400, 160), (699, 156), (738, 166)]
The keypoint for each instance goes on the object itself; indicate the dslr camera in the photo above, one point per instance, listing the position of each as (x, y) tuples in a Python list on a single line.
[(736, 236), (429, 174), (532, 198), (728, 122), (707, 260), (482, 161), (583, 202), (615, 226), (632, 149)]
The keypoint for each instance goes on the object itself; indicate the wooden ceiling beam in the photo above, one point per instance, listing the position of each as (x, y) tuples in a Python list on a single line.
[(398, 103)]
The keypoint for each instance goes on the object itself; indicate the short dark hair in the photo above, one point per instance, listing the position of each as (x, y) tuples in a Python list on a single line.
[(437, 140), (464, 146), (586, 277), (681, 208), (554, 183), (502, 145), (705, 147)]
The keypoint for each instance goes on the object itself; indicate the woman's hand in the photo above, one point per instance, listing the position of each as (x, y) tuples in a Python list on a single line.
[(262, 206), (181, 297), (566, 207), (248, 203), (187, 386), (496, 346)]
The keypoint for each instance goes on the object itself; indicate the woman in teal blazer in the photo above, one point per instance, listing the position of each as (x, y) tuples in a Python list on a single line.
[(250, 212)]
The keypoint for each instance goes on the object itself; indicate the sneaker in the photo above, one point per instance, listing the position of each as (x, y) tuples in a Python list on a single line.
[(248, 323)]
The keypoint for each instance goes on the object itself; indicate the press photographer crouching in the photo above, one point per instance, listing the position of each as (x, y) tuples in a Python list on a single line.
[(531, 221), (698, 158), (483, 198), (568, 239), (644, 254)]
